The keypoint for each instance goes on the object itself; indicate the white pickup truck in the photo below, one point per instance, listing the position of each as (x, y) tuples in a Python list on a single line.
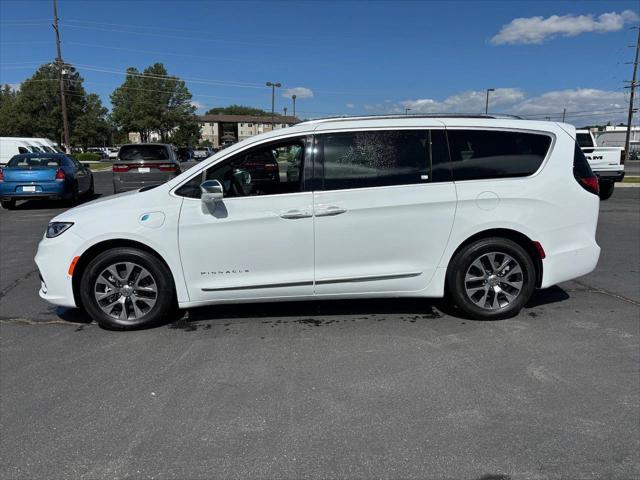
[(606, 162)]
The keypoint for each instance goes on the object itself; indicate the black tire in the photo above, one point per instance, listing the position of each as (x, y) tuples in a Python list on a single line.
[(74, 197), (8, 204), (91, 282), (92, 190), (606, 189), (484, 289)]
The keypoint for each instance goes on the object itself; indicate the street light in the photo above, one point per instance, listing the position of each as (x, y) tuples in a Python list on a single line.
[(285, 111), (293, 97), (486, 105), (273, 101), (406, 111)]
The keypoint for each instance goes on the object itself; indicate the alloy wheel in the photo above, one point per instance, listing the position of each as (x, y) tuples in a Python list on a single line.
[(493, 280), (125, 291)]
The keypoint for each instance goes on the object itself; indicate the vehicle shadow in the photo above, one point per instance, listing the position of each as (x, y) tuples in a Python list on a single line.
[(52, 204), (424, 308), (318, 312)]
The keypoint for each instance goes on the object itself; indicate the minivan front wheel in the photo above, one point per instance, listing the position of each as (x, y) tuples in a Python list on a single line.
[(491, 278), (127, 288)]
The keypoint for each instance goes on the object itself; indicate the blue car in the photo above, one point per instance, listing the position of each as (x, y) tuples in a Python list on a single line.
[(44, 175)]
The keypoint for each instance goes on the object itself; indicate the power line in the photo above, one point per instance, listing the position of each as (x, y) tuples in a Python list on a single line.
[(178, 37)]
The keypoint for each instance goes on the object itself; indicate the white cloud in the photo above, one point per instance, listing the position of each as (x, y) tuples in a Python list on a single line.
[(299, 92), (584, 105), (198, 105), (350, 105), (539, 29), (465, 102)]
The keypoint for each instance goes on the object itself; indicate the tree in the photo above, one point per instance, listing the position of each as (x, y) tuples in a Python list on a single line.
[(152, 101), (239, 110), (33, 110), (37, 111), (8, 98), (92, 127), (187, 134)]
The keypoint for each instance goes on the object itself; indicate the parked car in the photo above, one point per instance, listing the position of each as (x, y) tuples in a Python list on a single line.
[(606, 162), (143, 164), (184, 154), (98, 151), (44, 175), (200, 153), (113, 153), (485, 208)]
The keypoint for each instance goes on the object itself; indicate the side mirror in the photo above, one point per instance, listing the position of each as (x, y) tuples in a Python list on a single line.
[(211, 191)]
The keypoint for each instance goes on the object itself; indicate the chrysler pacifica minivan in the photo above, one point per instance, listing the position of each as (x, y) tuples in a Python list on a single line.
[(483, 209)]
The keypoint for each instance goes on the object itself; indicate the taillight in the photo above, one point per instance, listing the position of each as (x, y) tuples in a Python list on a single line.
[(271, 167), (59, 175), (167, 167), (623, 157), (582, 172), (120, 168), (1, 176), (590, 184)]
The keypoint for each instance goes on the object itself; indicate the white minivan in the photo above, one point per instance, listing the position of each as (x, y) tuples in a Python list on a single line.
[(484, 209)]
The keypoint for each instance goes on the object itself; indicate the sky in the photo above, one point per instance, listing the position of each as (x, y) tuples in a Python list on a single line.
[(346, 57)]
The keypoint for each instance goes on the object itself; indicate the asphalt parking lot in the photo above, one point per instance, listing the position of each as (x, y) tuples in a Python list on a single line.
[(353, 389)]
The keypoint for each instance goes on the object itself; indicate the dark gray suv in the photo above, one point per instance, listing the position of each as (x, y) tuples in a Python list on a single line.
[(143, 164)]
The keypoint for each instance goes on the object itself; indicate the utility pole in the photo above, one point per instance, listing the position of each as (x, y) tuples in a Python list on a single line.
[(486, 105), (273, 102), (293, 97), (60, 63), (633, 86), (564, 114)]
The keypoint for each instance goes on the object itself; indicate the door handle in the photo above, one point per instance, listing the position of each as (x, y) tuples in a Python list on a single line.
[(294, 214), (330, 211)]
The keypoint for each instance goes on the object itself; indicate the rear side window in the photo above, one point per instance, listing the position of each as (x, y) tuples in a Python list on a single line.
[(19, 161), (143, 152), (581, 167), (381, 158), (480, 154)]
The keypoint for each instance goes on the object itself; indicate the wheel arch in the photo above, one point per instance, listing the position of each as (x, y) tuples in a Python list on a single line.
[(518, 237), (96, 249)]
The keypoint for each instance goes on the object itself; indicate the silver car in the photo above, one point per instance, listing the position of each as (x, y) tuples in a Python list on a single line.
[(142, 164)]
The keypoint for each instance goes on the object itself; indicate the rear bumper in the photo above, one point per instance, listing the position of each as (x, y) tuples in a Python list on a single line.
[(122, 183), (13, 190), (613, 175), (570, 264)]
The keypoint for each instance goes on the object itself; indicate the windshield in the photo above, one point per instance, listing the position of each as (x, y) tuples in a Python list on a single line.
[(143, 152), (19, 161)]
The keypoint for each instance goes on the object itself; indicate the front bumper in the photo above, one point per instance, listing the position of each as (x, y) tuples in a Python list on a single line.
[(53, 258)]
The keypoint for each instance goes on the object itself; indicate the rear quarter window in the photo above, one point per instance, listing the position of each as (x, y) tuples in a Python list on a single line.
[(483, 154)]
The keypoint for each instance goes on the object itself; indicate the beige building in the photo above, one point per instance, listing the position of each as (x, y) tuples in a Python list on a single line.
[(226, 129)]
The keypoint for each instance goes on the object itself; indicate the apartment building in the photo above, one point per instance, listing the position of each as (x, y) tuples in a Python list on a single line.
[(225, 129)]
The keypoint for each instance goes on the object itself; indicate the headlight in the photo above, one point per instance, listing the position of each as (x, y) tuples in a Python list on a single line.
[(57, 228)]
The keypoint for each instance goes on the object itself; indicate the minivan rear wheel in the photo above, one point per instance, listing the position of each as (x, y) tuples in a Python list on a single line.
[(606, 189), (126, 288), (491, 278)]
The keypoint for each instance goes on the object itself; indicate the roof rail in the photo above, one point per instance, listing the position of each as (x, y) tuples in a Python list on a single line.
[(426, 115)]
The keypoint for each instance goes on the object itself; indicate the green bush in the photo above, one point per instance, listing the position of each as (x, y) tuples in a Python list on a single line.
[(87, 157)]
